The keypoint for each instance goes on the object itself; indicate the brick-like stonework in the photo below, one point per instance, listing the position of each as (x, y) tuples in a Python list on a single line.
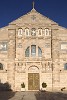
[(50, 66)]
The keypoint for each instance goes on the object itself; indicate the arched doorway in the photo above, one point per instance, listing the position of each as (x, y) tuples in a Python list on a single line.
[(33, 78)]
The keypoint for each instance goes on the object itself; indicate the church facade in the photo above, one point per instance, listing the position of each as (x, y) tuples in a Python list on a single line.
[(33, 50)]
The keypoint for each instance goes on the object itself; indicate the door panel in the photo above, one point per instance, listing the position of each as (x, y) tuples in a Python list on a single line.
[(36, 81), (30, 81), (33, 81)]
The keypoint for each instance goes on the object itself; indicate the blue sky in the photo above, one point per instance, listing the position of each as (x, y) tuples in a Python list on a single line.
[(53, 9)]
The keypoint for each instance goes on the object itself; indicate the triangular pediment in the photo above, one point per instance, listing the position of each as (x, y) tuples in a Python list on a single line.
[(33, 17)]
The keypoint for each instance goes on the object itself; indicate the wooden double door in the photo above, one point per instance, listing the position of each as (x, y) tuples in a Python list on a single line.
[(33, 81)]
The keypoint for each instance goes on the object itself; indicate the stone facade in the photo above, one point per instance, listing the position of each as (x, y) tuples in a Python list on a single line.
[(33, 50)]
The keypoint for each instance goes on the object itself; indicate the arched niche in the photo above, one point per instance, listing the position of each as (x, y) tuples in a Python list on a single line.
[(33, 69)]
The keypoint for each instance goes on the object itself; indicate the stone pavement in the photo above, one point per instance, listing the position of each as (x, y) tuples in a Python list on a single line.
[(39, 96), (33, 95), (24, 96)]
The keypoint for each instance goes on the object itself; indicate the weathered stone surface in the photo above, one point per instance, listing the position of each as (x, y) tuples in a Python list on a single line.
[(50, 65)]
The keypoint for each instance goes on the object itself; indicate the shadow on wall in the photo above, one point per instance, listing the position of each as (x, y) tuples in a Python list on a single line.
[(50, 95), (5, 91)]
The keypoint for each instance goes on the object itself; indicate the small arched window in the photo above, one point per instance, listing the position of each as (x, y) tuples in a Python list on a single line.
[(39, 52), (1, 66), (27, 32), (20, 32), (40, 32), (27, 52), (46, 32), (33, 32), (65, 66)]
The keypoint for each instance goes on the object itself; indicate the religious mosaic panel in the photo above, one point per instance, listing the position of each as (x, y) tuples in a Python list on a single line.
[(64, 46), (3, 46)]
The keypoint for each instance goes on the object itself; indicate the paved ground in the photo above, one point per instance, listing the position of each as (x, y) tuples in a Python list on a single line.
[(33, 96)]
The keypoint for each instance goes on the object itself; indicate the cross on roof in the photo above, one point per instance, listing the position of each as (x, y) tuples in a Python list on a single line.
[(33, 4)]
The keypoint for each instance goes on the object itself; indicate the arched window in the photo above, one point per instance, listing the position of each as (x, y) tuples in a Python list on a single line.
[(33, 32), (27, 52), (46, 32), (20, 32), (40, 32), (33, 50), (39, 52), (27, 32), (65, 66), (1, 66)]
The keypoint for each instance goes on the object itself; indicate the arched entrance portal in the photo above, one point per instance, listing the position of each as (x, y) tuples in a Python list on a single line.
[(33, 78)]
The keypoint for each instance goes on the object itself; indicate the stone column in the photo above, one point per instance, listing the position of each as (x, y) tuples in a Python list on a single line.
[(11, 58), (11, 44)]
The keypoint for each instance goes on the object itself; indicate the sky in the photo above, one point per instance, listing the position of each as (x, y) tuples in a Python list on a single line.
[(56, 10)]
